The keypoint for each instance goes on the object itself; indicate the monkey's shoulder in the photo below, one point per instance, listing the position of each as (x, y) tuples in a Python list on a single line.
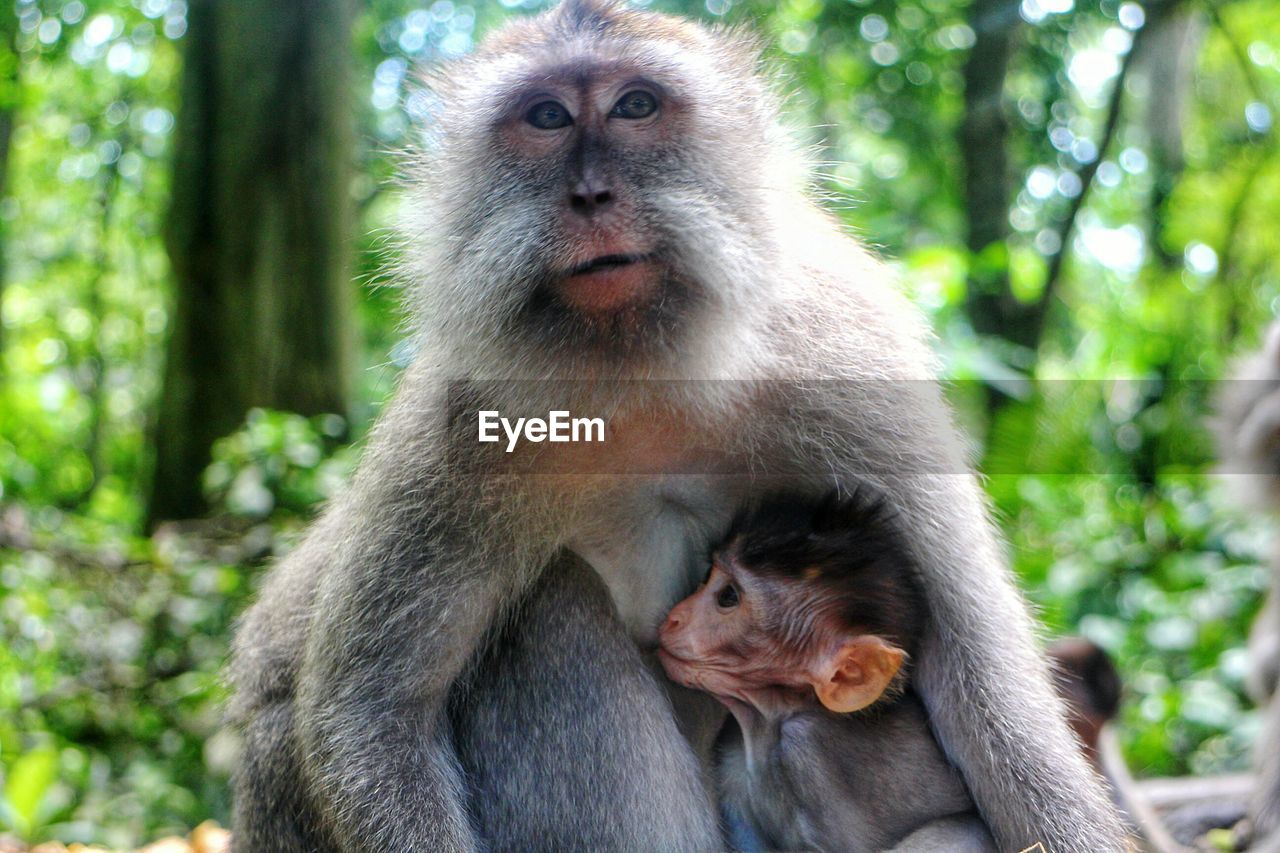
[(852, 322)]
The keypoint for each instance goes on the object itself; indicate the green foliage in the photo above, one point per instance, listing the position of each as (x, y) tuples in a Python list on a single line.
[(278, 461), (30, 777), (111, 655), (84, 290), (1167, 581)]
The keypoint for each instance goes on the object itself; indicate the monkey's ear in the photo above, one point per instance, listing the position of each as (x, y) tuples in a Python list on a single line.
[(857, 674)]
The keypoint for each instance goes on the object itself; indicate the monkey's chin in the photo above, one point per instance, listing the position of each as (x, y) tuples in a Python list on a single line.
[(610, 290), (677, 669)]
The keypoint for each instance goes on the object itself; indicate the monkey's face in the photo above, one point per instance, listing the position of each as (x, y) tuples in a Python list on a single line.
[(600, 137), (595, 182), (721, 639), (772, 646)]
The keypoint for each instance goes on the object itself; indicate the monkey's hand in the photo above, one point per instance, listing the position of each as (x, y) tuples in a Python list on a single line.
[(386, 779), (1264, 650)]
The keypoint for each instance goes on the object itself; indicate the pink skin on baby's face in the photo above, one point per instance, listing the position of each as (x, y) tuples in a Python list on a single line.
[(725, 639)]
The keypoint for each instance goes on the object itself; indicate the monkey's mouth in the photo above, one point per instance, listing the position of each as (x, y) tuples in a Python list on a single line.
[(610, 283), (605, 262)]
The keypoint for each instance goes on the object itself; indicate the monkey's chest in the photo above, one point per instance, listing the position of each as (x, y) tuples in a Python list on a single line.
[(650, 541)]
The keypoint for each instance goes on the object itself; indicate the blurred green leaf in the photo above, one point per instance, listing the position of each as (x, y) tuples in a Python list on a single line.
[(27, 782)]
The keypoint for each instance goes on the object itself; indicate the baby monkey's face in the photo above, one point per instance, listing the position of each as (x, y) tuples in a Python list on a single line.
[(771, 644), (719, 640)]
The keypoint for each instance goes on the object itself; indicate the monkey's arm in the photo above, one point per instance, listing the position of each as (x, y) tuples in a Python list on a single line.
[(1264, 662), (370, 708), (406, 594), (992, 707), (566, 737), (979, 672), (389, 636), (1150, 826)]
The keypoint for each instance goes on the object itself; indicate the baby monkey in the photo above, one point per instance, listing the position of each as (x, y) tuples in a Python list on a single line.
[(803, 629)]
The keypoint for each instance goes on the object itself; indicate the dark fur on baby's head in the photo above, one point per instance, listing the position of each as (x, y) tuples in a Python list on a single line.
[(852, 547)]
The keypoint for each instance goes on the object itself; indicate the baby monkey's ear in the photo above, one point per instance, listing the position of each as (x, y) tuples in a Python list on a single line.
[(856, 674)]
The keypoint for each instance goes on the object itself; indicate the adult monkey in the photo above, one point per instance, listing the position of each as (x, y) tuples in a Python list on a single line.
[(611, 200), (1247, 424)]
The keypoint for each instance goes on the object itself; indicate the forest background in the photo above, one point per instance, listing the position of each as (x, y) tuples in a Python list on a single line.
[(195, 204)]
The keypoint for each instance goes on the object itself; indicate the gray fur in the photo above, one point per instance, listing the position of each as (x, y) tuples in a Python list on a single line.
[(531, 722), (814, 371), (870, 781), (1247, 427)]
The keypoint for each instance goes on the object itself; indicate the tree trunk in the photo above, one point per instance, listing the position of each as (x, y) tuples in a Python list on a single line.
[(258, 230), (984, 145), (10, 83), (1167, 56)]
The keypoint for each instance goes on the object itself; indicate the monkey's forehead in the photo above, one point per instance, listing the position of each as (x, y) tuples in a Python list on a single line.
[(593, 20), (568, 44), (499, 75)]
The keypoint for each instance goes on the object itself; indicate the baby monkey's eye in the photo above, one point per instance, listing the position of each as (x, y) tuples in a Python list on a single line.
[(548, 115), (727, 597), (637, 104)]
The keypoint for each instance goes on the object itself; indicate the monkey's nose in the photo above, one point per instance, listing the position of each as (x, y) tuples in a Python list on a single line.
[(588, 197), (672, 623)]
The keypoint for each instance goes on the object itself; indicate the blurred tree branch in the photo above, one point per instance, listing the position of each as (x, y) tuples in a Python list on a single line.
[(991, 306), (96, 393), (1167, 57), (1065, 229), (1229, 272), (1241, 54), (10, 90)]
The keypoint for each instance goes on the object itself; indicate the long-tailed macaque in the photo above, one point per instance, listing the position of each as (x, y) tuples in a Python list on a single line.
[(1248, 432), (611, 221), (1090, 684), (803, 629)]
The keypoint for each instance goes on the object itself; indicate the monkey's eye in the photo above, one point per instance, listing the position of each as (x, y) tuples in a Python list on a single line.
[(548, 115), (727, 597), (637, 104)]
